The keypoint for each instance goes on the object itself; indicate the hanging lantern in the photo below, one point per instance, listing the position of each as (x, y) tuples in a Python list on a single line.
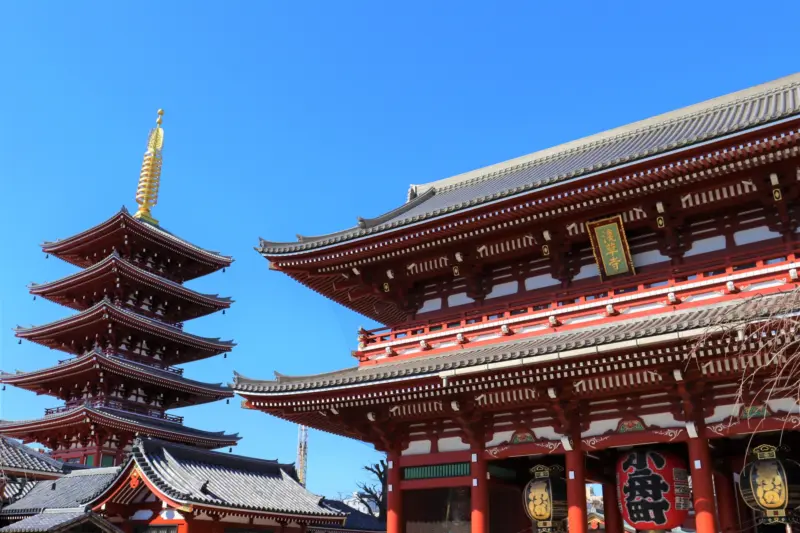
[(545, 498), (770, 484), (653, 489)]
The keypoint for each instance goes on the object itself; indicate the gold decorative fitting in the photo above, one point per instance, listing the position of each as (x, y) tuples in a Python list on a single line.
[(150, 176)]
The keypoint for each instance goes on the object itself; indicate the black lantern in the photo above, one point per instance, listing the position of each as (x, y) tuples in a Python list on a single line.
[(545, 498), (770, 484)]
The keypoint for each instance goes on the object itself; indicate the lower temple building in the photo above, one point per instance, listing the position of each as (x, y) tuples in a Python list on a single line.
[(173, 488), (619, 310)]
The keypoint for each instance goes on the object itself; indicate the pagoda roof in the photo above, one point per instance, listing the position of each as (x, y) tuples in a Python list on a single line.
[(114, 264), (49, 334), (97, 361), (68, 249), (670, 132), (17, 458), (584, 341), (71, 492), (60, 520), (119, 419), (216, 481)]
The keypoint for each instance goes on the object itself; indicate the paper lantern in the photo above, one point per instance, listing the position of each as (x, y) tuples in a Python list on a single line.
[(545, 498), (770, 484), (653, 489)]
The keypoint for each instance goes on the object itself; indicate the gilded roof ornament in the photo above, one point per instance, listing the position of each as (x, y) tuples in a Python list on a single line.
[(150, 176)]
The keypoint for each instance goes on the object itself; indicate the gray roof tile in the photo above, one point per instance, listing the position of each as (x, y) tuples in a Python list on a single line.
[(56, 521), (72, 491), (701, 122), (356, 520), (202, 477), (590, 336), (16, 456)]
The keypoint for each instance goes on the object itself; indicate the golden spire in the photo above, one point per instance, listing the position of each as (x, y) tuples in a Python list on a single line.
[(150, 176)]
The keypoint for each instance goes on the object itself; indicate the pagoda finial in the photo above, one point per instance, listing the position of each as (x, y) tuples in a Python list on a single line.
[(150, 176)]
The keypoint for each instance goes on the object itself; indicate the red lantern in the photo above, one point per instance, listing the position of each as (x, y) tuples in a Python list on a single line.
[(653, 489)]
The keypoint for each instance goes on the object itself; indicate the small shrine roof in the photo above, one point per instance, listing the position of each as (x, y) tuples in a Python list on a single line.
[(16, 457), (141, 322), (191, 476), (115, 261), (146, 373), (72, 491), (669, 326), (15, 488), (736, 112), (144, 424), (56, 521), (356, 520)]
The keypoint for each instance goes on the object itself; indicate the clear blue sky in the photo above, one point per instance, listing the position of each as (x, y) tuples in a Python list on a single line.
[(297, 117)]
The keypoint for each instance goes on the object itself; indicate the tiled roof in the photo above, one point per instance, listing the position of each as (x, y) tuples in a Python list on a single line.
[(148, 373), (590, 338), (16, 456), (144, 424), (72, 491), (193, 476), (356, 520), (57, 521), (15, 488), (736, 112)]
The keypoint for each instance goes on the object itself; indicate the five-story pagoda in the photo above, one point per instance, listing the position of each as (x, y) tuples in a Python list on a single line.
[(126, 336)]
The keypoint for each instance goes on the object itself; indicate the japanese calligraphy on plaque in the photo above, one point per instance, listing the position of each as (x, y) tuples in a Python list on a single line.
[(610, 247), (653, 489)]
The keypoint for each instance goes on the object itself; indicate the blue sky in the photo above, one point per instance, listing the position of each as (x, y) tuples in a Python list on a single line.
[(297, 117)]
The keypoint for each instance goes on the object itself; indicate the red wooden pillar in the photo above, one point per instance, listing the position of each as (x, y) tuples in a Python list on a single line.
[(576, 488), (727, 512), (702, 484), (479, 496), (394, 498), (611, 513)]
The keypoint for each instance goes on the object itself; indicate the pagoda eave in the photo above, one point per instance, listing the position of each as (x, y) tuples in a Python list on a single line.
[(93, 366), (80, 420), (110, 235), (104, 279), (82, 332)]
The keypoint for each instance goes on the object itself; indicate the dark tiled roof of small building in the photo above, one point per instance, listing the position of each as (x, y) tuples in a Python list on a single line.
[(194, 476), (541, 345), (356, 520), (15, 488), (735, 112), (57, 521), (72, 491), (16, 456)]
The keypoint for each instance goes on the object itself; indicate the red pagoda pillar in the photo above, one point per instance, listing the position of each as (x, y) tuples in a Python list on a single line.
[(611, 513), (479, 496), (576, 488), (702, 484), (394, 498), (726, 501)]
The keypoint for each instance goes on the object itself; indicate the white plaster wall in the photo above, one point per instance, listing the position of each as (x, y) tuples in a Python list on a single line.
[(784, 405), (503, 289), (587, 271), (460, 298), (142, 514), (542, 280), (710, 244), (648, 258), (661, 420), (721, 412), (499, 438), (431, 305), (170, 514), (747, 236), (418, 447), (452, 444), (598, 427), (235, 519), (265, 522)]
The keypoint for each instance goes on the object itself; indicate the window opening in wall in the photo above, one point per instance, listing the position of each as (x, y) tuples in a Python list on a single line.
[(473, 320), (541, 307), (744, 266), (494, 316), (436, 328), (626, 290), (591, 297), (774, 260), (655, 284), (567, 302), (453, 324), (717, 272), (516, 312), (401, 335)]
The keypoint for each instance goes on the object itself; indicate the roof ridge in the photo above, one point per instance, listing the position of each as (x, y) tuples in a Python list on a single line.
[(729, 100)]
